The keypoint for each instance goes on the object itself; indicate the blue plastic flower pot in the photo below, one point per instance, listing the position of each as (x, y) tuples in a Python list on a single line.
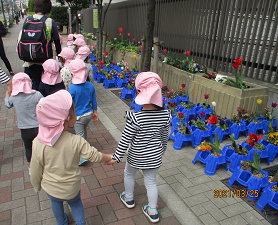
[(228, 152), (189, 112), (221, 133), (235, 160), (254, 127), (135, 106), (263, 154), (265, 127), (201, 135), (272, 152), (100, 78), (246, 179), (175, 100), (212, 162), (109, 83), (269, 198), (121, 82), (183, 99), (207, 111), (127, 93), (181, 140), (237, 129)]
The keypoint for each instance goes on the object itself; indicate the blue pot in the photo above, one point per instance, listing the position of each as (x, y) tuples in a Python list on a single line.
[(246, 179), (121, 82), (265, 127), (221, 133), (264, 154), (212, 162), (100, 78), (127, 93), (109, 83), (237, 129), (189, 112), (268, 197), (201, 135), (135, 106), (254, 127), (228, 152), (183, 99), (207, 111), (235, 160), (95, 74), (181, 140)]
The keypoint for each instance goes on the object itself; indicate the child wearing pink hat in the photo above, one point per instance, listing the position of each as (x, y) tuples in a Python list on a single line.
[(146, 132), (79, 42), (51, 79), (56, 153), (24, 100), (84, 97), (66, 56), (84, 54)]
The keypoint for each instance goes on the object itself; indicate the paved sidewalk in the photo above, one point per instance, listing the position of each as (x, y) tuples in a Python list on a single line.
[(186, 193)]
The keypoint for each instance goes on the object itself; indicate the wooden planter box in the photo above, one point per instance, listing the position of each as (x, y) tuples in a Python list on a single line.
[(227, 98)]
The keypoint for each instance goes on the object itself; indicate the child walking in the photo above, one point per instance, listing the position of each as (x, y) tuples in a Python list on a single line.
[(84, 54), (146, 132), (84, 97), (56, 154), (24, 99), (66, 56), (51, 79)]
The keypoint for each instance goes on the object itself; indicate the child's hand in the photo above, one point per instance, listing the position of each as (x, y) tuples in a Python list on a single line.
[(95, 116), (112, 161)]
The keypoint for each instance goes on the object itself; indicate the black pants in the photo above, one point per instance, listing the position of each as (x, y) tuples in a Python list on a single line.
[(35, 73), (5, 60), (28, 135)]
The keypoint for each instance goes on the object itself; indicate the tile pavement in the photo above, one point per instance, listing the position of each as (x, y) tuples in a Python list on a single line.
[(185, 192)]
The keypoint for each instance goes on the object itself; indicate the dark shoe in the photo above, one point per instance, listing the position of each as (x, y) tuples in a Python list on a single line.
[(129, 204), (11, 73), (153, 217)]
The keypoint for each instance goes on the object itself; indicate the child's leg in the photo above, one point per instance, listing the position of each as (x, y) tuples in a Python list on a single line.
[(58, 210), (129, 181), (80, 126), (28, 135), (150, 184), (77, 209)]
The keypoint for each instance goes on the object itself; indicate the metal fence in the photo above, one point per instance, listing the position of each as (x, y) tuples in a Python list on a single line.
[(215, 31)]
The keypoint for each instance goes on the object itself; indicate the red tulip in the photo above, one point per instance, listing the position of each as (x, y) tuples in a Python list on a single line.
[(128, 34), (253, 139), (202, 114), (235, 65), (106, 53), (187, 52), (183, 85), (165, 50), (213, 120), (273, 105), (238, 61), (121, 30), (181, 115), (206, 96), (120, 34)]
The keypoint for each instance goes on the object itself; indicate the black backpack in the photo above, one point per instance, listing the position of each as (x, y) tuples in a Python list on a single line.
[(33, 44)]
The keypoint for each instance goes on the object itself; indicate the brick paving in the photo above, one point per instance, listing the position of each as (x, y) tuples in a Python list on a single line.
[(185, 192)]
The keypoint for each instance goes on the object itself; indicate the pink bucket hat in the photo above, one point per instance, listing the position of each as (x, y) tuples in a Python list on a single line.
[(79, 71), (68, 54), (51, 73), (83, 52), (21, 82), (79, 36), (70, 40), (51, 112), (149, 84), (79, 42)]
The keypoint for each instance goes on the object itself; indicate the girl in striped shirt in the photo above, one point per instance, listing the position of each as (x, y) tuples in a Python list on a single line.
[(146, 132)]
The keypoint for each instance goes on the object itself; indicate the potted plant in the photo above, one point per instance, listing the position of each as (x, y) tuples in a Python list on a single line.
[(256, 123), (109, 81), (188, 108), (268, 118), (121, 80), (261, 150), (201, 131), (222, 128), (173, 106), (182, 97), (211, 155), (101, 75), (270, 194), (171, 96), (180, 133), (129, 90), (237, 126), (205, 106), (271, 143), (249, 174)]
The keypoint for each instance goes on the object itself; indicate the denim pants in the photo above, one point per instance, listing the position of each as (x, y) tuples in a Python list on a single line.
[(76, 208), (81, 124), (35, 73), (149, 181), (28, 135)]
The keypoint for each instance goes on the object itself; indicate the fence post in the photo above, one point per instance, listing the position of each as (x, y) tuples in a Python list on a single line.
[(155, 54), (141, 59)]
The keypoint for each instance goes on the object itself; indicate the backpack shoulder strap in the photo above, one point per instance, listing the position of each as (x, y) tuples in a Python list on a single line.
[(43, 19)]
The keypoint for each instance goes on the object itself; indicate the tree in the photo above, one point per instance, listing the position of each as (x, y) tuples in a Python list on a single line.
[(59, 14), (101, 19), (76, 5), (149, 37), (31, 5)]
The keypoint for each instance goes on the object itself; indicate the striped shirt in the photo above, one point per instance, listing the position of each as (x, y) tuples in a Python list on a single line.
[(3, 77), (147, 133)]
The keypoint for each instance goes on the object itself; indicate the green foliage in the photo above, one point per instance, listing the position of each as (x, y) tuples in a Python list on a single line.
[(199, 123), (31, 6), (75, 5), (216, 145), (123, 46), (59, 14), (256, 164), (31, 13)]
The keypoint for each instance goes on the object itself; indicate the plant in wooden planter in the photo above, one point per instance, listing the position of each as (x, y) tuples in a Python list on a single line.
[(210, 76), (135, 69)]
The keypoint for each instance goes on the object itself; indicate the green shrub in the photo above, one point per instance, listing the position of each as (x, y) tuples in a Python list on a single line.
[(31, 5), (59, 14)]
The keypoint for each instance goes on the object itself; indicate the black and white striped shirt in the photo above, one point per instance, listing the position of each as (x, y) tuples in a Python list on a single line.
[(3, 77), (147, 133)]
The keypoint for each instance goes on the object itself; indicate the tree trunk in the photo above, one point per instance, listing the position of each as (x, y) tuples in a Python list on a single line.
[(149, 38)]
